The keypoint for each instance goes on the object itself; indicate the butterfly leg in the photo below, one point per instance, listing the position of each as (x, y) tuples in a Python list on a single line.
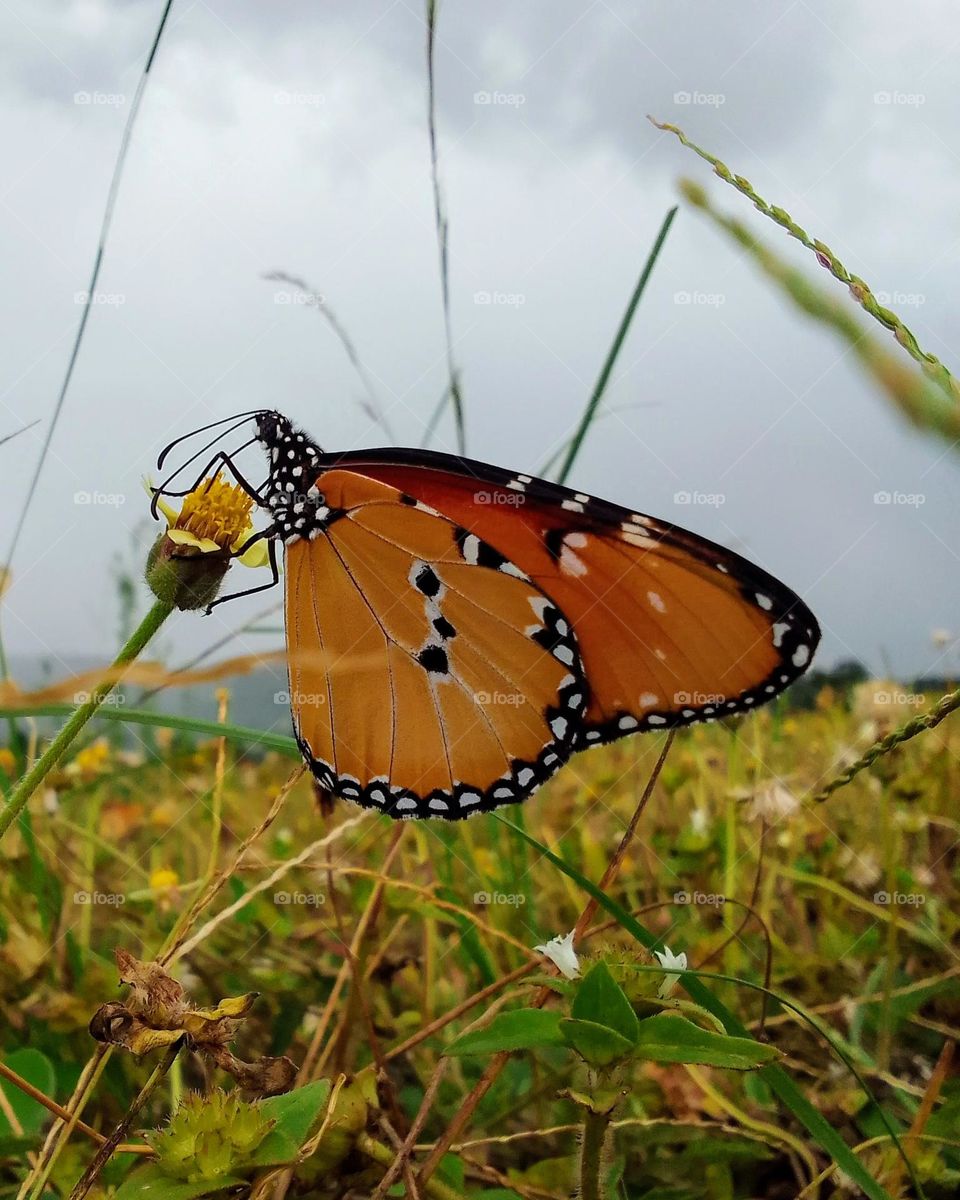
[(221, 457), (263, 587)]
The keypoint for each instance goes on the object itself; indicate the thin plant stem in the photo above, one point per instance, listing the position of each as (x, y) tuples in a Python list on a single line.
[(59, 1134), (921, 400), (372, 407), (443, 228), (174, 946), (596, 1127), (64, 739), (891, 857), (106, 221), (610, 362), (383, 1155), (903, 733), (498, 1061), (100, 1159), (859, 289)]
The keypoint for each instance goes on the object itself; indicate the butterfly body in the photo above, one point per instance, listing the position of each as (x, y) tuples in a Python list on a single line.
[(456, 631)]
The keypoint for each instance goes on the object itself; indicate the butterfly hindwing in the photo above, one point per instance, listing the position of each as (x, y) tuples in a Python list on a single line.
[(429, 676)]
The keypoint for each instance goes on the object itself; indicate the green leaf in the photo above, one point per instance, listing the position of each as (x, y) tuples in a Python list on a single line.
[(296, 1113), (596, 1044), (522, 1029), (602, 1000), (150, 1183), (779, 1081), (666, 1038), (37, 1069)]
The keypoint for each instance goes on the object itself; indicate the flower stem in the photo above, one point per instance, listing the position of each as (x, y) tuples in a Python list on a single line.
[(92, 1173), (595, 1128), (61, 743), (385, 1156)]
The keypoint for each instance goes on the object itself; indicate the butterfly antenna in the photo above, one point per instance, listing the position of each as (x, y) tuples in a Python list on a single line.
[(238, 417)]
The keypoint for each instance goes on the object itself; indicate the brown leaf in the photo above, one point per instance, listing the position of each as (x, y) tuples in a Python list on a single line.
[(156, 997), (264, 1077), (218, 1026)]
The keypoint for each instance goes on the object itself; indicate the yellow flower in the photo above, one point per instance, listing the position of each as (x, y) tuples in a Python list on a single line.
[(214, 517), (162, 879), (186, 565), (91, 759)]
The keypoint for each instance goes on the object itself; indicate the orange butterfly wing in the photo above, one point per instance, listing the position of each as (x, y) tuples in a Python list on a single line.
[(423, 682), (671, 628)]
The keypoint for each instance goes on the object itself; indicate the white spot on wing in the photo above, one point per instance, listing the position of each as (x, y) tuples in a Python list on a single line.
[(779, 630), (649, 700), (656, 600)]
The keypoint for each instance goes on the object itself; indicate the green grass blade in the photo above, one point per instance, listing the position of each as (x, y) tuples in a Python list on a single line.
[(604, 377), (776, 1078), (233, 733)]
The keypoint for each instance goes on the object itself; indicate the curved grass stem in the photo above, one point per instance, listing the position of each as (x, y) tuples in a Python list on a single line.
[(81, 715)]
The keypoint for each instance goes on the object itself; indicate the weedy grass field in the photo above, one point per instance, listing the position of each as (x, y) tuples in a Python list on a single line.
[(720, 965), (386, 970)]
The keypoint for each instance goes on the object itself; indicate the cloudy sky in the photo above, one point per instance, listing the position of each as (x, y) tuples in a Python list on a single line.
[(292, 137)]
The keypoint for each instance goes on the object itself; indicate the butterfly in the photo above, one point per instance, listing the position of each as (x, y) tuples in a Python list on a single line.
[(456, 631)]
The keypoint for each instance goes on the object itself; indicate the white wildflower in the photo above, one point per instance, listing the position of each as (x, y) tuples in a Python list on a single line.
[(561, 953), (772, 803), (668, 960)]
